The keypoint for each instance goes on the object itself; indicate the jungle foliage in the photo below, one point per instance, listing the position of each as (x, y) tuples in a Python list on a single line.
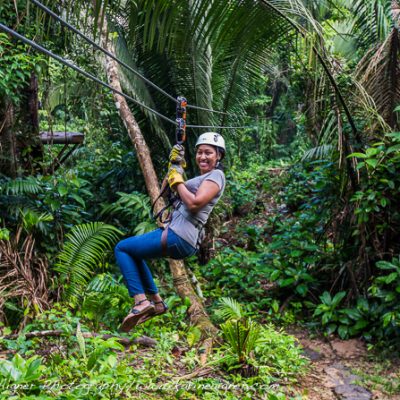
[(305, 234)]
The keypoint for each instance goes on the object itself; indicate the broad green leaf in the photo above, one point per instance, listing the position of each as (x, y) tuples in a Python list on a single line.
[(361, 324), (62, 190), (385, 265), (302, 289), (78, 199), (33, 372), (338, 298), (358, 155), (393, 149), (392, 277), (360, 165), (343, 331), (81, 340), (331, 328), (326, 298), (372, 152), (373, 162), (193, 336), (286, 282)]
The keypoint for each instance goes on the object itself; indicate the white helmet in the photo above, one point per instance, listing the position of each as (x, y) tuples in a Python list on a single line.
[(213, 139)]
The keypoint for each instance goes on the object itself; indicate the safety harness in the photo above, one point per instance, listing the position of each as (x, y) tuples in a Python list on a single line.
[(171, 199), (165, 192)]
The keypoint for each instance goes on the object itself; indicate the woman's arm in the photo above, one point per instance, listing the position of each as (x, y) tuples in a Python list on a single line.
[(205, 193)]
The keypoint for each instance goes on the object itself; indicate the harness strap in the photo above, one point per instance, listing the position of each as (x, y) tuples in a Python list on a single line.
[(195, 222), (164, 245), (169, 198), (163, 191)]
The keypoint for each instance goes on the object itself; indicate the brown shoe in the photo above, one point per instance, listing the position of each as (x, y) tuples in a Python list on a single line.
[(134, 316), (155, 313), (164, 310)]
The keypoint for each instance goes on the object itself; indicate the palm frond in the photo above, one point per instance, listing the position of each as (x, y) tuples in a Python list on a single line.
[(130, 204), (242, 336), (379, 73), (137, 88), (374, 121), (84, 249), (32, 219), (21, 186), (23, 277), (134, 208), (105, 300), (17, 198), (344, 43), (103, 283), (318, 153), (229, 308), (372, 21)]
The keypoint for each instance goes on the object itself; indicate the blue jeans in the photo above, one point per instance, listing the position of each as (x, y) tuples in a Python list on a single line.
[(130, 254)]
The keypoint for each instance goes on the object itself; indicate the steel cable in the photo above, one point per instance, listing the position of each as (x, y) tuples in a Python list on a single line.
[(137, 73), (217, 127), (102, 83), (79, 70)]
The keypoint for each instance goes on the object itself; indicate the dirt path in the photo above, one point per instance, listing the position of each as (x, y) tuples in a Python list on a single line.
[(333, 376)]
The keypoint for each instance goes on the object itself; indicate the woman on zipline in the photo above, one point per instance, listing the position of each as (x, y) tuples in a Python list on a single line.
[(182, 236)]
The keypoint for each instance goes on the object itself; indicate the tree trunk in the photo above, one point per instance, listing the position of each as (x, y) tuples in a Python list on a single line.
[(27, 128), (181, 281), (20, 148), (8, 151)]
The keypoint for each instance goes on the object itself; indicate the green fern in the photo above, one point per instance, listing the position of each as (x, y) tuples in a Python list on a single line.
[(242, 336), (318, 153), (83, 251), (133, 207), (31, 219), (106, 300), (240, 333), (18, 198), (229, 309), (19, 186), (103, 283), (129, 204)]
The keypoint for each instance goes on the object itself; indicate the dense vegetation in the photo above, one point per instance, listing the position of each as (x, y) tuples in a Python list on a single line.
[(305, 235)]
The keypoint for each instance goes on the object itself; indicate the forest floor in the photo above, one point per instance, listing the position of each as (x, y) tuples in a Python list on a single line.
[(339, 369), (344, 369)]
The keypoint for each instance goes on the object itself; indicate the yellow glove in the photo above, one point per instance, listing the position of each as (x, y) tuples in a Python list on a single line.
[(174, 177), (177, 156)]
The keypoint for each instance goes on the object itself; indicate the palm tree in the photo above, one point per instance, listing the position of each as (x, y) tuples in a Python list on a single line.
[(377, 28)]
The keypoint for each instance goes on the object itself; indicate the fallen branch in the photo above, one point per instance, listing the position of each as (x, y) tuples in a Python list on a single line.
[(142, 340)]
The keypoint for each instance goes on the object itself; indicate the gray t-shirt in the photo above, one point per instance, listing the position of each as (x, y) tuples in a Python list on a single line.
[(179, 224)]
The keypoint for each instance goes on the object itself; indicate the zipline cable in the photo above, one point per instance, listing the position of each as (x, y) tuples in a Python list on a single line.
[(208, 109), (100, 82), (98, 47), (218, 127), (137, 73), (81, 71)]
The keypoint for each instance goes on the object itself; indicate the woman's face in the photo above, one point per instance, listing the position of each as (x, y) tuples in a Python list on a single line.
[(206, 158)]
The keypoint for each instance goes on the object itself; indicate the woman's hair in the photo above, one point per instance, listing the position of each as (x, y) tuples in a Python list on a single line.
[(219, 164)]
